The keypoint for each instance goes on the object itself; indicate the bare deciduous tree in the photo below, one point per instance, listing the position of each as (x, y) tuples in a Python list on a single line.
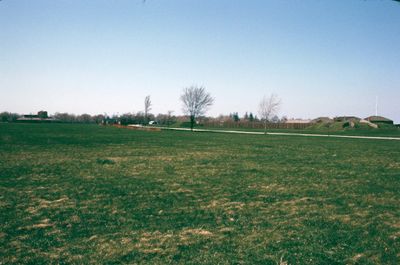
[(268, 108), (169, 117), (196, 102), (147, 108)]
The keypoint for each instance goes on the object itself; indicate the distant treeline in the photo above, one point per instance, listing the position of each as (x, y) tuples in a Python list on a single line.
[(9, 117), (225, 121), (127, 118)]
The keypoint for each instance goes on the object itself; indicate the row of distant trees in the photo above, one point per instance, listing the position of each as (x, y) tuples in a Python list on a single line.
[(143, 118), (195, 103), (246, 117), (62, 117), (126, 118), (8, 116)]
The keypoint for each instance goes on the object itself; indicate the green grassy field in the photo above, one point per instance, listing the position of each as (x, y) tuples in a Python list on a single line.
[(102, 195)]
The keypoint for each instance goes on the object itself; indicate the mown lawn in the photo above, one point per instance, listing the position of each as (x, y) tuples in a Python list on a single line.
[(102, 195)]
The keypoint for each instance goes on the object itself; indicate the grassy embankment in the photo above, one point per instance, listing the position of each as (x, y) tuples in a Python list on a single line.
[(335, 128), (92, 194)]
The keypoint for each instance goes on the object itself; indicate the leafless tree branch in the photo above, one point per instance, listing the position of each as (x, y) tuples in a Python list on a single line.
[(268, 107), (147, 108)]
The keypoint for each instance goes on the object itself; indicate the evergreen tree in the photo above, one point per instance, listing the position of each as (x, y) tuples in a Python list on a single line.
[(251, 117), (235, 117)]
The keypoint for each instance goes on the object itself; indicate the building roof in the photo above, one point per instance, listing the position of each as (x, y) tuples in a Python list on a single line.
[(30, 116), (378, 118)]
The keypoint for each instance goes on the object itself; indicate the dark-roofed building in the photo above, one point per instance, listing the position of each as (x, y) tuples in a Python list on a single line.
[(42, 116), (379, 119)]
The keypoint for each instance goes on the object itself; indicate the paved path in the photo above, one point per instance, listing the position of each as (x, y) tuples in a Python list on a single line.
[(287, 134)]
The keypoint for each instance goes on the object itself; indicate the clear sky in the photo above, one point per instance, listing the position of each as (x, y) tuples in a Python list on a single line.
[(322, 58)]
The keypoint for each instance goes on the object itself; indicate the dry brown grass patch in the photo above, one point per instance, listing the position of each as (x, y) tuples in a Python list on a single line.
[(43, 224), (197, 231), (224, 204), (118, 159)]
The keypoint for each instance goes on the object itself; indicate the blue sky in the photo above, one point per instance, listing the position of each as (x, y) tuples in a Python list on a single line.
[(322, 58)]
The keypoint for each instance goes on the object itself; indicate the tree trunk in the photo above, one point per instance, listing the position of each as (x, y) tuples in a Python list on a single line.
[(265, 127), (191, 122)]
